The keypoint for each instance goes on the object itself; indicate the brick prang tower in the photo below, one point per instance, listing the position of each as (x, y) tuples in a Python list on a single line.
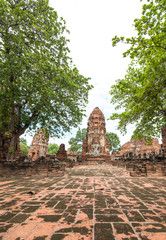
[(96, 146)]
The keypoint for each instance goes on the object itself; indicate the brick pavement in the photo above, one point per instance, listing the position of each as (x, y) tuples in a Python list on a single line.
[(89, 202)]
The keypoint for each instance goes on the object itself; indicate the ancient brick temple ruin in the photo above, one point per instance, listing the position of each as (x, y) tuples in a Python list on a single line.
[(62, 153), (73, 155), (141, 159), (39, 146), (39, 161), (96, 146), (138, 146), (136, 156)]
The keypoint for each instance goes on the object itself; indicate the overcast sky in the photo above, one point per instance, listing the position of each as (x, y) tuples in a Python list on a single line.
[(92, 25)]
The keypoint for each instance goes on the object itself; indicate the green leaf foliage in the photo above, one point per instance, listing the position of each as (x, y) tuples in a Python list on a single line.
[(53, 148), (76, 143), (113, 141), (39, 85), (23, 140), (140, 97), (23, 146)]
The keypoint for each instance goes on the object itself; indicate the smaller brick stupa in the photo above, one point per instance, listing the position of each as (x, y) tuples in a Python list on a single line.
[(96, 146), (62, 153), (39, 146)]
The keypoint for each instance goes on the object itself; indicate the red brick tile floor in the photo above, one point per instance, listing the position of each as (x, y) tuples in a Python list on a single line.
[(99, 202)]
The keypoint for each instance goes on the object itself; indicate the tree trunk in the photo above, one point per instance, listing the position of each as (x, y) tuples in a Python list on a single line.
[(15, 136), (12, 147), (163, 131)]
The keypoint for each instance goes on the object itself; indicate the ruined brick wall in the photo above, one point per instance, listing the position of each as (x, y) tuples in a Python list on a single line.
[(39, 146), (72, 155), (150, 169), (30, 168), (138, 146), (96, 144), (115, 155)]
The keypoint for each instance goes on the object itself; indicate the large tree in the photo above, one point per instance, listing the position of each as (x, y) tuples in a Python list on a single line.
[(140, 97), (77, 141), (114, 141), (39, 85)]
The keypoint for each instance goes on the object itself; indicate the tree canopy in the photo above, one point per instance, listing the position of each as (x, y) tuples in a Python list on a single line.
[(53, 148), (39, 85), (77, 141), (113, 141), (140, 97)]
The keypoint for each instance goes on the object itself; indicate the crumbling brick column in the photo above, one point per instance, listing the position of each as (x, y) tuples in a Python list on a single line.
[(163, 131)]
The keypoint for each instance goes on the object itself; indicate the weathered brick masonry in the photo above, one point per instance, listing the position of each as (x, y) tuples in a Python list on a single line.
[(96, 146)]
